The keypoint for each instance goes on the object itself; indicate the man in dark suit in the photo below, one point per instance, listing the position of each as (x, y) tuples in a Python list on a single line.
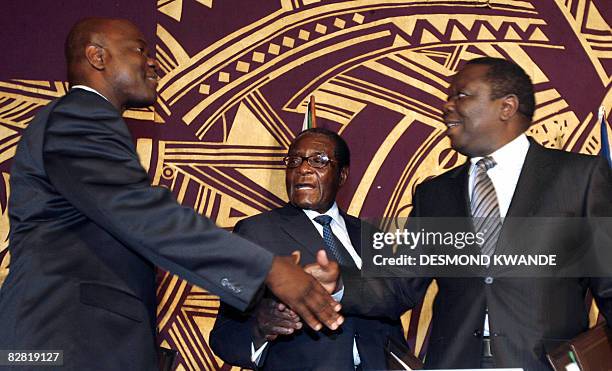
[(87, 228), (493, 321), (271, 338)]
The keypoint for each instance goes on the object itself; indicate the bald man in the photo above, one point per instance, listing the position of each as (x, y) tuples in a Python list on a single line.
[(87, 228)]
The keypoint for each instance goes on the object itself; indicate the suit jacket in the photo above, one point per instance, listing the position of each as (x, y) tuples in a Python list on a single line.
[(527, 316), (87, 230), (282, 231)]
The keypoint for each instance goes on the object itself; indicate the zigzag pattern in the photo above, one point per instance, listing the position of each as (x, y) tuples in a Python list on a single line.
[(593, 32)]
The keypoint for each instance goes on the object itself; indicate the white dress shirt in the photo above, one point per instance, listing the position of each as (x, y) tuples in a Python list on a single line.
[(504, 176), (85, 87), (338, 227)]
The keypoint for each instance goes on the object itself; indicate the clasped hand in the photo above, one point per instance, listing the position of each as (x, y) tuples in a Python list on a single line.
[(274, 318)]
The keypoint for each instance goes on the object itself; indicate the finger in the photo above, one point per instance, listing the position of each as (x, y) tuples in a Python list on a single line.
[(312, 321), (321, 305), (297, 255), (285, 315), (280, 330), (322, 259), (292, 313), (308, 316), (281, 307), (286, 324), (312, 268)]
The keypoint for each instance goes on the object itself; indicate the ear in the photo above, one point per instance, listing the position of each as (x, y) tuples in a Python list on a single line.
[(509, 107), (96, 56), (344, 172)]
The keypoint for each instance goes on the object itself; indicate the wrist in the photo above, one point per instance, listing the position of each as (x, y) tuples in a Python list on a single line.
[(258, 337), (276, 269), (339, 286)]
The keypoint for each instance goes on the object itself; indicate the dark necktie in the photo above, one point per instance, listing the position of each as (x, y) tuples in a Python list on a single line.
[(333, 246), (485, 209)]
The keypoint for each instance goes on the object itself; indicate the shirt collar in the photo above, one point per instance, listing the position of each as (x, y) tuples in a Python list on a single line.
[(333, 211), (508, 153), (85, 87)]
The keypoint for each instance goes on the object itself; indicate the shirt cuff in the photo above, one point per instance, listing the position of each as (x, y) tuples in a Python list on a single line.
[(256, 355), (337, 296)]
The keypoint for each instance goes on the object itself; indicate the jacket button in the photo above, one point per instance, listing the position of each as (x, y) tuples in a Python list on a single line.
[(488, 280)]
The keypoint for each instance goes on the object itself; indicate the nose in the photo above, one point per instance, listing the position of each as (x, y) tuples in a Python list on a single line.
[(304, 167), (449, 105), (153, 63)]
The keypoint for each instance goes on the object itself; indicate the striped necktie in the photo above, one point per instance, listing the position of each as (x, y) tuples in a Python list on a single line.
[(333, 246), (484, 206)]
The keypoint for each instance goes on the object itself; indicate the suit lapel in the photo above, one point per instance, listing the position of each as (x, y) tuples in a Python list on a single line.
[(353, 227), (535, 178), (533, 181), (459, 204), (297, 225)]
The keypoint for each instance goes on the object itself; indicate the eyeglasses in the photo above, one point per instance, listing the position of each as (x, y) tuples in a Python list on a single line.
[(317, 161)]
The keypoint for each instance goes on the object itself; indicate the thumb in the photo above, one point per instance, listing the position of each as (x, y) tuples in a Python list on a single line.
[(297, 255), (322, 259)]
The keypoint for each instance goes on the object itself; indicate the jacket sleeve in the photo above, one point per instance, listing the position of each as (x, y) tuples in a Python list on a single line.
[(91, 161), (381, 297), (386, 297)]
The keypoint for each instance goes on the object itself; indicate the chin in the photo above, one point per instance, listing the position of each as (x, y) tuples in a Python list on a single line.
[(305, 204), (141, 103), (302, 205), (460, 148)]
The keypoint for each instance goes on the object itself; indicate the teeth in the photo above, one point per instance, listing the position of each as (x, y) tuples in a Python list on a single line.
[(452, 124)]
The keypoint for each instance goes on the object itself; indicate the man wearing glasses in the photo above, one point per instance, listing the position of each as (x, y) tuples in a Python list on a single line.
[(271, 337)]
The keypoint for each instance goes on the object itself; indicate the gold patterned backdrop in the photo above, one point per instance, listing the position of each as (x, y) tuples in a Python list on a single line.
[(236, 77)]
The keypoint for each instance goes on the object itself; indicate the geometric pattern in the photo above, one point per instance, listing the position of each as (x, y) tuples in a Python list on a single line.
[(235, 86)]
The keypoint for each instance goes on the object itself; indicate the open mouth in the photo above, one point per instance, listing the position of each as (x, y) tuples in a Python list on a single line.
[(452, 124), (303, 186)]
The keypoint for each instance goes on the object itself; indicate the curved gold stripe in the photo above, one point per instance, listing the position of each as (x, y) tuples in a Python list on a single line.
[(195, 111), (245, 44), (169, 294), (576, 26), (372, 170)]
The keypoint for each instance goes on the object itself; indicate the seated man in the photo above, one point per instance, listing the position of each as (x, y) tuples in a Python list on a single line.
[(271, 336)]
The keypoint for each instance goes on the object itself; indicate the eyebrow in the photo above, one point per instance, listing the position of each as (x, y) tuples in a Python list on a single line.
[(313, 153)]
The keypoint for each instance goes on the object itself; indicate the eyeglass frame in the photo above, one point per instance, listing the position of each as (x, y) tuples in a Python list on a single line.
[(307, 158)]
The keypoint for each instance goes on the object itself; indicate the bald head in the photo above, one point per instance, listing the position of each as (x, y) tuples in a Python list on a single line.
[(111, 56), (85, 32)]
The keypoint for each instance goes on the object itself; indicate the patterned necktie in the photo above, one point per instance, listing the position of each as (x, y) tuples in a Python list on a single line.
[(485, 209), (333, 246)]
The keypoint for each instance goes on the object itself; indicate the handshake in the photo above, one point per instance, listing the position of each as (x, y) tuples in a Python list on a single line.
[(284, 314)]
